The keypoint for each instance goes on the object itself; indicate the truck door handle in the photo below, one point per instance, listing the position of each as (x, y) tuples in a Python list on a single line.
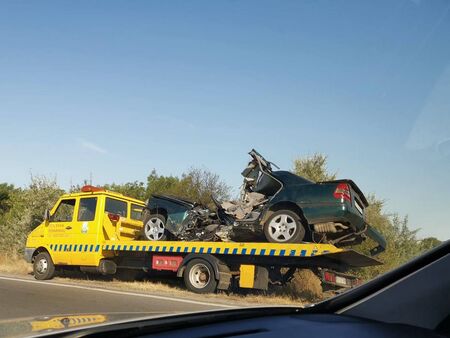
[(68, 227)]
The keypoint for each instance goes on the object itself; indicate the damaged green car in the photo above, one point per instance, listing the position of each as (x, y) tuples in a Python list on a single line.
[(276, 206)]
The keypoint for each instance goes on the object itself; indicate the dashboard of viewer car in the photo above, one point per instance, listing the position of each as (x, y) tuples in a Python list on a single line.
[(312, 325)]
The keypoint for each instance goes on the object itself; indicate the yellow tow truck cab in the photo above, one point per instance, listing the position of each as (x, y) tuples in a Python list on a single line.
[(100, 231), (77, 225)]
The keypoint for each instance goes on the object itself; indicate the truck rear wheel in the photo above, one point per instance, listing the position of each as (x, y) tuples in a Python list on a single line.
[(43, 266), (199, 276)]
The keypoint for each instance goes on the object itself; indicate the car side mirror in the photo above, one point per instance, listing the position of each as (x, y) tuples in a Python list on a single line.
[(46, 215)]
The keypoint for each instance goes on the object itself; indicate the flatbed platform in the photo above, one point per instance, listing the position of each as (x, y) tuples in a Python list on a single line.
[(291, 252)]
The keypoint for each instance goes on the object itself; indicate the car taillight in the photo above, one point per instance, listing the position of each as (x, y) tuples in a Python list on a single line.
[(114, 217), (356, 282), (329, 277), (342, 192)]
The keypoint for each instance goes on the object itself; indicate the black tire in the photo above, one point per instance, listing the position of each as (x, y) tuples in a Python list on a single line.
[(284, 226), (158, 221), (43, 266), (199, 276)]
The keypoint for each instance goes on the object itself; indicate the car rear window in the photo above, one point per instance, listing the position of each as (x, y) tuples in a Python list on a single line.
[(116, 207), (136, 212)]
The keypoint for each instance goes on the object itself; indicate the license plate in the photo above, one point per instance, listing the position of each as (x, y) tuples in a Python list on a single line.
[(341, 280)]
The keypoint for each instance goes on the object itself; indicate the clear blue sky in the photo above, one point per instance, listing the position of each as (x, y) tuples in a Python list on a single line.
[(119, 88)]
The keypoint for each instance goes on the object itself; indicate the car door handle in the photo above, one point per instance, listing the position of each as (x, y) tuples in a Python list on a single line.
[(68, 227)]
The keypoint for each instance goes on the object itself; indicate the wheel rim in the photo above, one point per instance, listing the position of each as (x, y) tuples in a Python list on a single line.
[(154, 229), (42, 266), (199, 276), (282, 228)]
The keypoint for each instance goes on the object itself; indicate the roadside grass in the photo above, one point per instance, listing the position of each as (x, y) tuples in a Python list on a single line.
[(305, 285), (304, 289), (11, 263), (165, 289), (175, 288)]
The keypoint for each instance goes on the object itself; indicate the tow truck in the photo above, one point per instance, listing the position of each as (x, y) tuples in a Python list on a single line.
[(100, 231)]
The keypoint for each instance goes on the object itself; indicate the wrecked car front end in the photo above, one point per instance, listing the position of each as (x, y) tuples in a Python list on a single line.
[(182, 219)]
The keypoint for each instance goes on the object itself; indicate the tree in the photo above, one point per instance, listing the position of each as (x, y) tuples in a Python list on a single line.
[(201, 184), (26, 212), (132, 189), (313, 168), (429, 243), (6, 190), (159, 184), (197, 185), (402, 242)]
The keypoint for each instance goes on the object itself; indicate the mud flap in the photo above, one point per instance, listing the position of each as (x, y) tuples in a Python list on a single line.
[(377, 238), (224, 276), (261, 278), (253, 277)]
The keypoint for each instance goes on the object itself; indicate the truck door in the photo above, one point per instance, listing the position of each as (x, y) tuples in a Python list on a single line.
[(84, 232), (59, 226)]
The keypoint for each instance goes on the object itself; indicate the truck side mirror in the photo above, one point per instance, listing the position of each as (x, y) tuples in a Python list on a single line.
[(46, 215)]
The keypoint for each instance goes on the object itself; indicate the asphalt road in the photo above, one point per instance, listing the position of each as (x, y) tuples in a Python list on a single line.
[(26, 297)]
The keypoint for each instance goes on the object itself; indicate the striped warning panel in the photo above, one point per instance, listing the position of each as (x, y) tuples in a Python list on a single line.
[(75, 247), (302, 251)]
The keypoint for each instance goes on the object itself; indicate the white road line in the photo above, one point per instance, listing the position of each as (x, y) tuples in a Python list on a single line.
[(117, 292)]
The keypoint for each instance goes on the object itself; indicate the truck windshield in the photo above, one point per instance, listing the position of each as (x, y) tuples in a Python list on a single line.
[(64, 212)]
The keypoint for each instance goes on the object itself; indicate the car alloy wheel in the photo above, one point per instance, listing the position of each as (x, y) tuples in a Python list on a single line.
[(282, 228), (154, 229)]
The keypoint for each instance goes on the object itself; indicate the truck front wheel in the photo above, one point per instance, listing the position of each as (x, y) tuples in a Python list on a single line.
[(199, 276), (43, 266)]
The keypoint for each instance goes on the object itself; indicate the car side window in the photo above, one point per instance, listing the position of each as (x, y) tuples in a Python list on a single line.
[(136, 212), (86, 210), (177, 213), (64, 212), (116, 207)]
